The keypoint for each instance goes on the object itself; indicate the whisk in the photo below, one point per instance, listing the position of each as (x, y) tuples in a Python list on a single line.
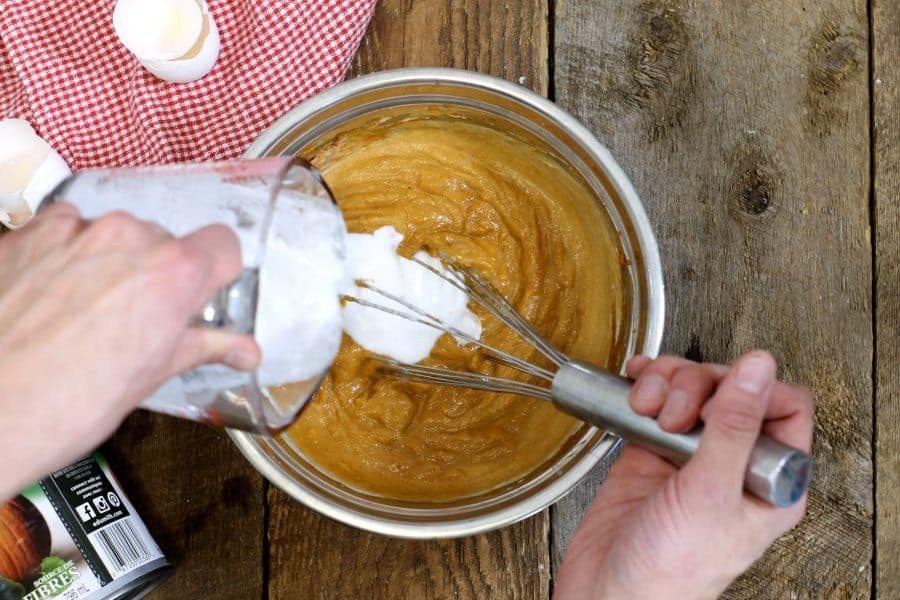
[(776, 473)]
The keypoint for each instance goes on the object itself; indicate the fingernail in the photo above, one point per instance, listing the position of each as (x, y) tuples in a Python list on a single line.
[(649, 390), (241, 359), (754, 374), (675, 406)]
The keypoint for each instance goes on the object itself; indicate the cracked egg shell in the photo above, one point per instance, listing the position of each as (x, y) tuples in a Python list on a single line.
[(29, 170), (176, 40)]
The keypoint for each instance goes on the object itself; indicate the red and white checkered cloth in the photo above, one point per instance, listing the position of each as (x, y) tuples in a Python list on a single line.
[(63, 69)]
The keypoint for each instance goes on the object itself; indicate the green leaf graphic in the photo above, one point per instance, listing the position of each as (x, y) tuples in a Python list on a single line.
[(51, 563), (54, 566)]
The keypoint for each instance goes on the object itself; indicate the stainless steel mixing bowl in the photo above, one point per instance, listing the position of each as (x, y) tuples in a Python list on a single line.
[(521, 112)]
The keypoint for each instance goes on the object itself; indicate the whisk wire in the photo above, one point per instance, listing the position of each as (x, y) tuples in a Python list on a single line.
[(418, 315), (436, 375), (484, 293), (478, 289)]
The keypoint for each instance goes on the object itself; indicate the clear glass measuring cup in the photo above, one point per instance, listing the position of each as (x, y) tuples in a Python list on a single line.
[(252, 197)]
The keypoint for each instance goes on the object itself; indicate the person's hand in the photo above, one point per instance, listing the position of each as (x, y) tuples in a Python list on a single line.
[(93, 317), (657, 531)]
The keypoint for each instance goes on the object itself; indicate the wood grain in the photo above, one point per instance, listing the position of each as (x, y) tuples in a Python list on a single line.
[(506, 39), (886, 89), (566, 515), (202, 502), (744, 127), (313, 557)]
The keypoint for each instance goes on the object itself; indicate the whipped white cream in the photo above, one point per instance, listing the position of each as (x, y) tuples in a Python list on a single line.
[(373, 258)]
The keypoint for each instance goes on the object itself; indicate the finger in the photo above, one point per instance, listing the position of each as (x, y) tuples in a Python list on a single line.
[(636, 365), (153, 230), (789, 415), (218, 249), (119, 231), (649, 392), (55, 210), (735, 417), (689, 388), (189, 271), (201, 346), (666, 366), (57, 225)]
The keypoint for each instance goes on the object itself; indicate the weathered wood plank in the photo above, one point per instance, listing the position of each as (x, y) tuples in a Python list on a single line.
[(506, 39), (744, 127), (886, 88), (311, 556), (201, 500)]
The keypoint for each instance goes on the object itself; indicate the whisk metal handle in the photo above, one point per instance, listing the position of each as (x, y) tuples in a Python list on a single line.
[(776, 473)]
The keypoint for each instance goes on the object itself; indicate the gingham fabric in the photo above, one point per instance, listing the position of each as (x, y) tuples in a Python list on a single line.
[(63, 69)]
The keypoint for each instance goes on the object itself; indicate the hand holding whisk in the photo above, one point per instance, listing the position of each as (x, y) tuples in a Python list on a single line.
[(776, 473)]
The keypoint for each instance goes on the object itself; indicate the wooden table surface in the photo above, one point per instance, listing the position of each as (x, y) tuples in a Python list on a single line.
[(763, 137)]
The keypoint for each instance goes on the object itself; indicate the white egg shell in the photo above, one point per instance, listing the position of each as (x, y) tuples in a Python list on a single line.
[(51, 172), (29, 170), (198, 49), (158, 29), (193, 67), (17, 138)]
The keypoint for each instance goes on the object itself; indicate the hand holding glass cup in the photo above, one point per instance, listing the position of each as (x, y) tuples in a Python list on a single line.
[(291, 232)]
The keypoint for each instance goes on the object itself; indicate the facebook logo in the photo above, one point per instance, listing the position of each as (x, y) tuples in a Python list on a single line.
[(86, 511)]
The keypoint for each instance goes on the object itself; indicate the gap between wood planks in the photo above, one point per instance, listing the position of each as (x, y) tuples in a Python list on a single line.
[(873, 237), (551, 72)]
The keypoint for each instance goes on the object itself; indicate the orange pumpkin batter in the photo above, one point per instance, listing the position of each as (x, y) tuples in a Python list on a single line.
[(515, 213)]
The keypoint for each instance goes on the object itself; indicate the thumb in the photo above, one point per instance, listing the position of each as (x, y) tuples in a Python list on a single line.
[(734, 418), (201, 346)]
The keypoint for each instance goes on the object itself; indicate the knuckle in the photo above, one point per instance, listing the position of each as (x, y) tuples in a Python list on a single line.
[(690, 378), (58, 210), (739, 412), (118, 221), (670, 361), (113, 226), (61, 224), (229, 256), (636, 365), (54, 210), (664, 366), (225, 232), (192, 350), (153, 230), (179, 263), (714, 371), (47, 230), (696, 386)]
